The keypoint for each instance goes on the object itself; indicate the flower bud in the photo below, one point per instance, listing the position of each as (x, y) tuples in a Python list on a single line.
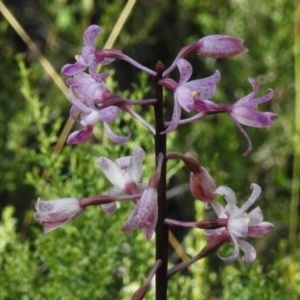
[(202, 185), (220, 46), (55, 213)]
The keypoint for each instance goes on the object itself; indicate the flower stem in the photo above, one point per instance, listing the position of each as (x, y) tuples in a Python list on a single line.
[(161, 229)]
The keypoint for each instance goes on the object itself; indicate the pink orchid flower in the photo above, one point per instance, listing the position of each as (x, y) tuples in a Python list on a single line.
[(242, 112), (125, 174), (185, 92), (240, 224)]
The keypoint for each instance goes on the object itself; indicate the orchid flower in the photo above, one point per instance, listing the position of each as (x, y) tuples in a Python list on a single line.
[(242, 112), (88, 57), (90, 93), (145, 213), (240, 224), (185, 92), (125, 174)]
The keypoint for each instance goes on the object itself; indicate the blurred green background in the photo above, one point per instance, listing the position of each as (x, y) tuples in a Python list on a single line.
[(90, 258)]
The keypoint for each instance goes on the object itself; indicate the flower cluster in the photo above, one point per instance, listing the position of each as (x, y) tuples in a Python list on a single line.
[(92, 102)]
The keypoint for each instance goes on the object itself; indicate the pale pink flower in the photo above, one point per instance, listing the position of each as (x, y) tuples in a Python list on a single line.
[(240, 224)]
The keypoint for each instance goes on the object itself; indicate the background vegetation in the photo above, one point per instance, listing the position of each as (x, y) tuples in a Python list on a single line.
[(90, 258)]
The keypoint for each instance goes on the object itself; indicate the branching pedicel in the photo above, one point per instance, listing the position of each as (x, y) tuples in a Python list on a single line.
[(94, 103)]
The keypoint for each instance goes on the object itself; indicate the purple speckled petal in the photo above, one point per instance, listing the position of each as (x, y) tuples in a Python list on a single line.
[(185, 98), (249, 252), (220, 46), (80, 105), (90, 35), (175, 118), (109, 114), (73, 112), (206, 87), (88, 54), (80, 136), (72, 69), (254, 102), (251, 117), (131, 223), (185, 70), (114, 137), (148, 205)]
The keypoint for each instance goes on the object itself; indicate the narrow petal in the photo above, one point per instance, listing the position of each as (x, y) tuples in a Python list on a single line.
[(256, 101), (114, 137), (82, 107), (175, 118), (147, 208), (72, 69), (235, 252), (90, 35), (256, 190), (131, 223), (149, 230), (100, 77), (139, 118), (111, 171), (80, 136), (219, 209), (248, 151), (260, 229), (249, 252), (185, 70), (136, 164), (228, 194)]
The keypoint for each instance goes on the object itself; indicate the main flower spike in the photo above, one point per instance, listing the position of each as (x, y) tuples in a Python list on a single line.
[(185, 92), (240, 224), (125, 174), (145, 213), (242, 112)]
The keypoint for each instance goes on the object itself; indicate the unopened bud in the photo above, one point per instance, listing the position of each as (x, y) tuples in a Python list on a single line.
[(220, 46), (202, 185)]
